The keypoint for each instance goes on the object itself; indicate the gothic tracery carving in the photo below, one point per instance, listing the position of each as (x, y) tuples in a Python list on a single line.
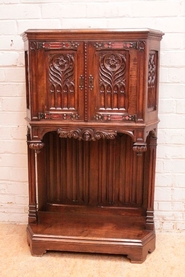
[(112, 85), (61, 78)]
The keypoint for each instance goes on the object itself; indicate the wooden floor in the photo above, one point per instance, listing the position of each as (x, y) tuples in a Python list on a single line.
[(16, 261)]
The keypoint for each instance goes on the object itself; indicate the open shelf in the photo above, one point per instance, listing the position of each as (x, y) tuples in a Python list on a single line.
[(95, 230)]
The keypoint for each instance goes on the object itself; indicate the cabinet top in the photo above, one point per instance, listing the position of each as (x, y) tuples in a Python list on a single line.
[(91, 33)]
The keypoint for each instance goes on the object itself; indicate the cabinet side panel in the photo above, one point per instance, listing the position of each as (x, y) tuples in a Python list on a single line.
[(152, 81)]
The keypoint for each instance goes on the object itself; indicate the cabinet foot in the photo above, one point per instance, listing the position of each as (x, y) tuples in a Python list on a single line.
[(38, 252), (139, 256), (136, 259)]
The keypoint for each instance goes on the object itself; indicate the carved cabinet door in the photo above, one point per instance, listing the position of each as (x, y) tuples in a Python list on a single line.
[(114, 71), (59, 85)]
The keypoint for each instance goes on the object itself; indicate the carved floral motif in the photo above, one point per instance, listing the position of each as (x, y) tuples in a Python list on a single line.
[(112, 84), (152, 79), (36, 145), (151, 70), (86, 134), (61, 78), (139, 148)]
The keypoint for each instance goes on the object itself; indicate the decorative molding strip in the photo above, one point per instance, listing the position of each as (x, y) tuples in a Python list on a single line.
[(34, 45), (140, 45), (115, 117), (60, 45), (86, 134), (85, 84), (58, 116)]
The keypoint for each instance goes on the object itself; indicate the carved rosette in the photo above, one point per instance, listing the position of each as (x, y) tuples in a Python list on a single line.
[(33, 45), (86, 134), (36, 145)]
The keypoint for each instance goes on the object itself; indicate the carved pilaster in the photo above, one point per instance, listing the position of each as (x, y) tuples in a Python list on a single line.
[(151, 161)]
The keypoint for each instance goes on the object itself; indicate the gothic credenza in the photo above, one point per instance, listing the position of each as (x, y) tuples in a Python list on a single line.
[(92, 116)]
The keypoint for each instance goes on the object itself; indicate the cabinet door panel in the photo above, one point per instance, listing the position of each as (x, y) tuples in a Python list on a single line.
[(60, 81), (114, 70)]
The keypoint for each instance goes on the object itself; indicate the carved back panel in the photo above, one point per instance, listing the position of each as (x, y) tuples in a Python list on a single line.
[(93, 172)]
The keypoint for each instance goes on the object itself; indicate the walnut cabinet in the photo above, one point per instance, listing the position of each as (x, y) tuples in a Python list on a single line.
[(92, 116)]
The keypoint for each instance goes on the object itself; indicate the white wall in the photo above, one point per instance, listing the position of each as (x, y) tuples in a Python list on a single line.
[(168, 16)]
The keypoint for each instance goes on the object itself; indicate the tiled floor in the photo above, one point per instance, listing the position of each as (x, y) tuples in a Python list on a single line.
[(16, 261)]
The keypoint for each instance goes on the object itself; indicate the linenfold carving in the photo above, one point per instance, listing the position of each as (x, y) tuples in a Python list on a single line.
[(86, 134)]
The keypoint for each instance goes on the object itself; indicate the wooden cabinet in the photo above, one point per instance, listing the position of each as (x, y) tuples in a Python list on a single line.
[(92, 115)]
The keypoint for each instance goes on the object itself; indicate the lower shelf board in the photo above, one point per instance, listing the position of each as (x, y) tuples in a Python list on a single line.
[(79, 232)]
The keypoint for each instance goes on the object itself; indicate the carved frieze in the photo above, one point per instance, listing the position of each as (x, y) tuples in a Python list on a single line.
[(86, 134)]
